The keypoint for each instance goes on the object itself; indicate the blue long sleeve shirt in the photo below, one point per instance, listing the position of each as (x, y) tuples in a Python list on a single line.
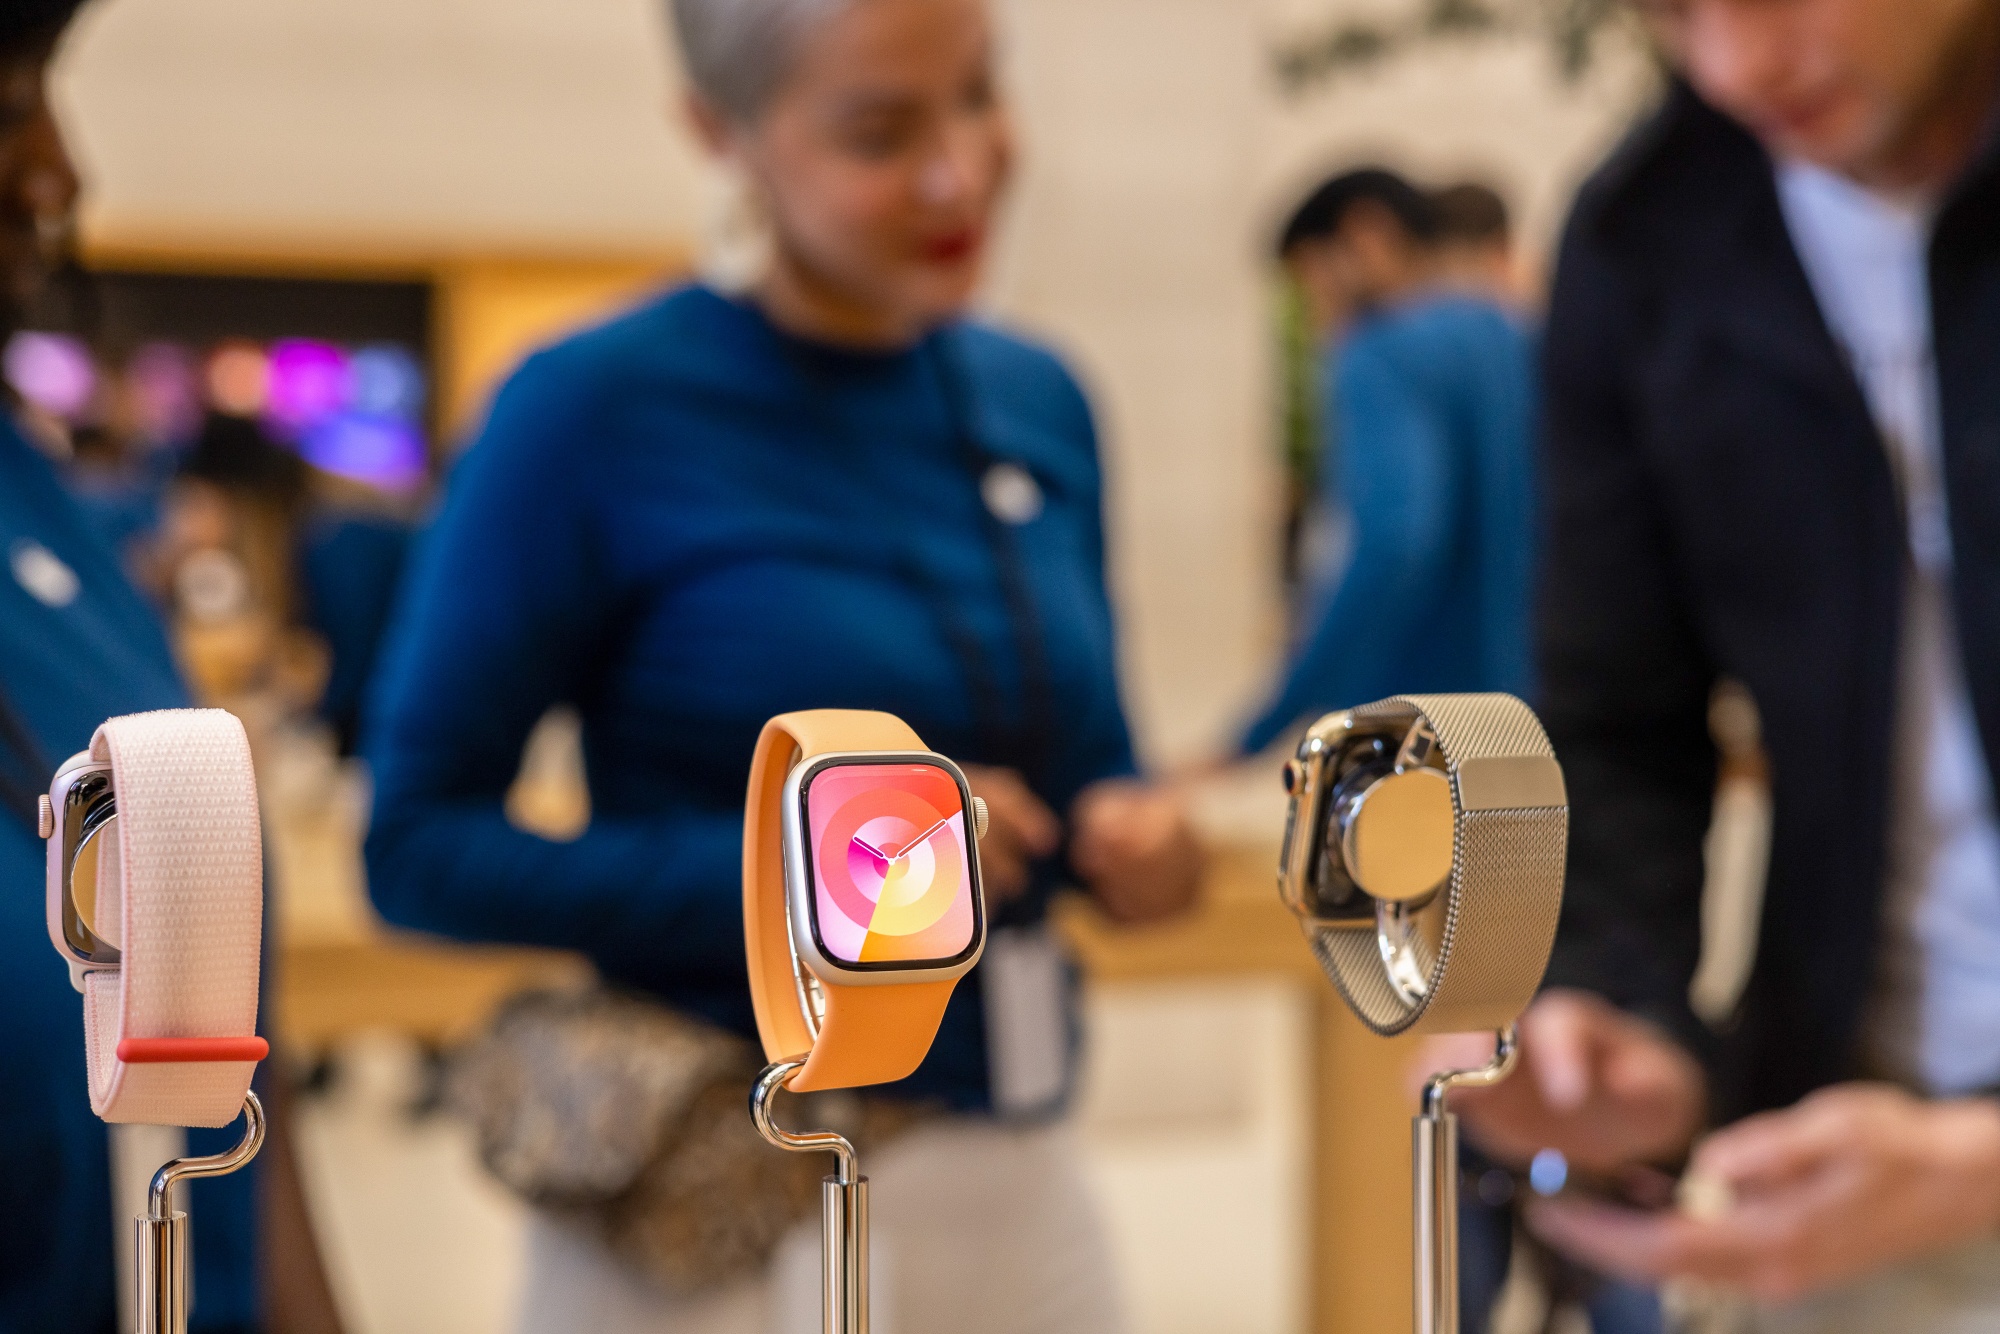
[(77, 645), (683, 523), (1433, 405)]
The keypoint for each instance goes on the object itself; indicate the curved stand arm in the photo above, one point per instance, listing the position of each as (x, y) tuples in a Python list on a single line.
[(160, 1249), (846, 1169), (843, 1208), (215, 1165), (1434, 1181), (1506, 1055)]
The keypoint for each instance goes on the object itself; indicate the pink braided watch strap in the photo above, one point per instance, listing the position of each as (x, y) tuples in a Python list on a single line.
[(190, 884)]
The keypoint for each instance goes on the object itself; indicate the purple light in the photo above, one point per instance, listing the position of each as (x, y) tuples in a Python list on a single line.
[(380, 451), (165, 386), (386, 381), (52, 371), (307, 383)]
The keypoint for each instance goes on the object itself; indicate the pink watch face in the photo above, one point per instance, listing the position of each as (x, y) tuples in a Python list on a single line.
[(891, 868)]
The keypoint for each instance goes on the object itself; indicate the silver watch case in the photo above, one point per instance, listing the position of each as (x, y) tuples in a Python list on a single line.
[(1490, 824), (79, 813)]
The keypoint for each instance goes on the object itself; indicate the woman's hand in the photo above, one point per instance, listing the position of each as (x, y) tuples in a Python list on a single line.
[(1020, 830), (1606, 1089), (1133, 847)]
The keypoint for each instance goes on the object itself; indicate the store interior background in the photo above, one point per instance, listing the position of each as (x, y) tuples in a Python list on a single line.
[(523, 158)]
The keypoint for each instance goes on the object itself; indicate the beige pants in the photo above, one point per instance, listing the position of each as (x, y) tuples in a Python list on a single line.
[(1957, 1292), (977, 1229)]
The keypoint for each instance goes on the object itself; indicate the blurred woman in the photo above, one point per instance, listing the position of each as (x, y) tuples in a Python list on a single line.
[(830, 491), (77, 645)]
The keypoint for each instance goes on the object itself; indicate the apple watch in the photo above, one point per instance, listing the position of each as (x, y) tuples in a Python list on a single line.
[(156, 902), (862, 904), (1423, 854)]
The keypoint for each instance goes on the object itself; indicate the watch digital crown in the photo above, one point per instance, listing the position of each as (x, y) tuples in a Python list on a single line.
[(79, 818)]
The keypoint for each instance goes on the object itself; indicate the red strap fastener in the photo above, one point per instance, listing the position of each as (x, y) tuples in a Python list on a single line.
[(174, 1051)]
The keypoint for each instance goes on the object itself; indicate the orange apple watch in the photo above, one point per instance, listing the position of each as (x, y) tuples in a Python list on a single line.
[(862, 904)]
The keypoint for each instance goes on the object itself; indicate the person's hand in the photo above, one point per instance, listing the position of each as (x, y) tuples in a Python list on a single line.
[(1199, 769), (1601, 1087), (1853, 1179), (1134, 848), (1020, 830)]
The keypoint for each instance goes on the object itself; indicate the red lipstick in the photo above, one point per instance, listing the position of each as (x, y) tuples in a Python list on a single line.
[(953, 247)]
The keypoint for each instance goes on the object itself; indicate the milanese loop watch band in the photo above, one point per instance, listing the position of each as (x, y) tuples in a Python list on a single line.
[(862, 1035), (171, 1028), (1482, 944)]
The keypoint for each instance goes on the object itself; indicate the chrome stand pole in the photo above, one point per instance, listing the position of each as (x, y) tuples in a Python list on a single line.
[(160, 1250), (843, 1209), (1434, 1183)]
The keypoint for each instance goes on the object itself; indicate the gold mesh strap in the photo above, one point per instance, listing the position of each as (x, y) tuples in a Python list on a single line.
[(1485, 941)]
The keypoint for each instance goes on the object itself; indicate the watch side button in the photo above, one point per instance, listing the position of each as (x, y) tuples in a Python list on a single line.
[(45, 816)]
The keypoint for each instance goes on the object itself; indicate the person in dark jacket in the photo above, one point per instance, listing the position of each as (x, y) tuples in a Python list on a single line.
[(1773, 455), (77, 645)]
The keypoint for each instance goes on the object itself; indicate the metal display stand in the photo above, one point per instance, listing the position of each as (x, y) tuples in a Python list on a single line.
[(1424, 853), (843, 1208), (1434, 1186), (160, 1250)]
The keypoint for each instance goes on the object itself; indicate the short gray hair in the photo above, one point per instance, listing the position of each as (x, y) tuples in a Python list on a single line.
[(738, 52)]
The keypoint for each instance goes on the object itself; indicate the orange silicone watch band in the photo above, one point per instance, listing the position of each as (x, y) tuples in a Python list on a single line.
[(869, 1034)]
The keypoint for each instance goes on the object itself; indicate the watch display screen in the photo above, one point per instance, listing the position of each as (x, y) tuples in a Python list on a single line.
[(889, 864)]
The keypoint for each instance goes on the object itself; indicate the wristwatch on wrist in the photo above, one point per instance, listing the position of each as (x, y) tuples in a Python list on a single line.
[(1424, 854), (861, 894), (156, 901)]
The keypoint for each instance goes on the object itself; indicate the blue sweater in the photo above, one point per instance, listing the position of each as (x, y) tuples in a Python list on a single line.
[(683, 523), (84, 649), (1433, 406)]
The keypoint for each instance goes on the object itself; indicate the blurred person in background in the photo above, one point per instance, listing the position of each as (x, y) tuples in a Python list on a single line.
[(123, 441), (119, 489), (1430, 410), (279, 575), (1773, 426), (77, 645), (1428, 457), (831, 490), (1473, 250)]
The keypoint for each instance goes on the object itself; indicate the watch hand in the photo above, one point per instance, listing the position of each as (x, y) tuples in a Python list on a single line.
[(871, 850), (906, 849)]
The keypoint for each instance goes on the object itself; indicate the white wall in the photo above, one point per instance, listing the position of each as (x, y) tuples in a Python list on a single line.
[(1160, 158), (1131, 245), (429, 124), (1160, 154)]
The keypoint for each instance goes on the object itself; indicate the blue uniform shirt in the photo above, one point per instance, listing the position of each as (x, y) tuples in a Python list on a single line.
[(1434, 405), (77, 645), (684, 523), (349, 565)]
